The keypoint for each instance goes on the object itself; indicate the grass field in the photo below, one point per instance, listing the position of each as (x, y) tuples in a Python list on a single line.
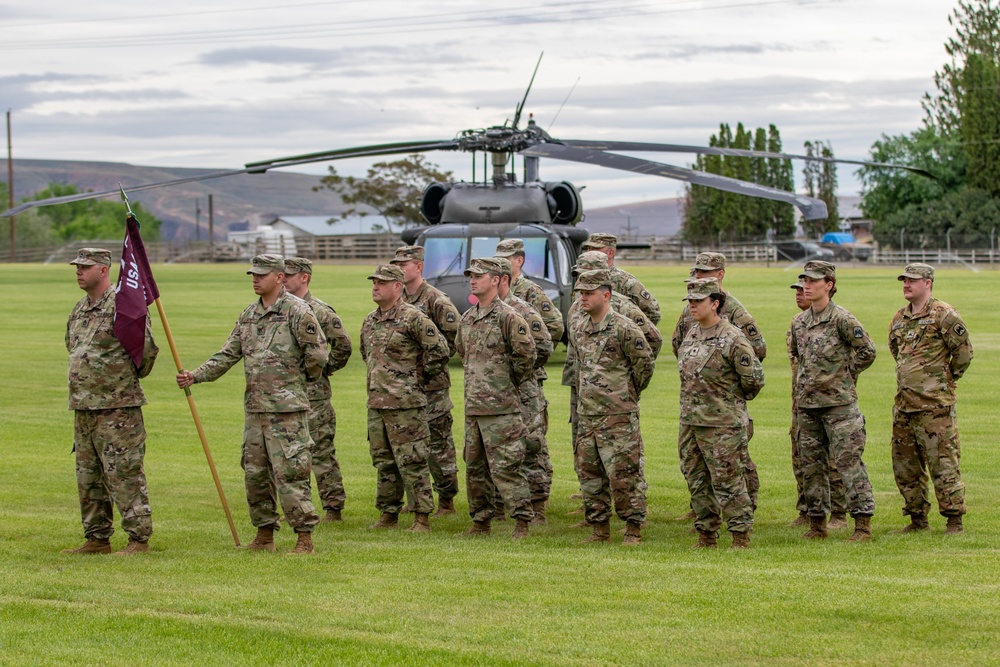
[(381, 598)]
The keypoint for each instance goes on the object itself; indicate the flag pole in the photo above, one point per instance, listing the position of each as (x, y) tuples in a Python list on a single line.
[(190, 397)]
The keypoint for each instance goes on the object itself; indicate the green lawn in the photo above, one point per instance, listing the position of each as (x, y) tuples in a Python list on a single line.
[(378, 597)]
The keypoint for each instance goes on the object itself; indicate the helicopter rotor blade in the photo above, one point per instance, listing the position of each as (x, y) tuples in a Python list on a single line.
[(638, 146), (811, 208), (520, 107)]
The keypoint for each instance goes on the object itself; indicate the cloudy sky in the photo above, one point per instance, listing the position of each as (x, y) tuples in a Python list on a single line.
[(217, 83)]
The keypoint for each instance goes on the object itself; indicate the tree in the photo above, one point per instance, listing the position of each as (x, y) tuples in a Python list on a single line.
[(393, 189), (821, 183)]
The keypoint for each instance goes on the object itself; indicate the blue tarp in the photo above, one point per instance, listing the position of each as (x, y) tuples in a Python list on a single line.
[(840, 238)]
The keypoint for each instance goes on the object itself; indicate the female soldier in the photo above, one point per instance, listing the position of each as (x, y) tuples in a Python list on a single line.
[(719, 373)]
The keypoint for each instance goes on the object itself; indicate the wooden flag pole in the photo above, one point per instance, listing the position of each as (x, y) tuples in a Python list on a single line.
[(197, 423)]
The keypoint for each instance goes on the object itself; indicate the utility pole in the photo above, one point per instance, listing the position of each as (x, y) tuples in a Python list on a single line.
[(211, 230), (197, 219), (10, 191)]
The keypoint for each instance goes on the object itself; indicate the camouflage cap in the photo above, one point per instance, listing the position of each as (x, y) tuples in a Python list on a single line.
[(504, 264), (702, 288), (92, 256), (916, 271), (710, 261), (483, 265), (600, 240), (264, 264), (407, 253), (295, 265), (798, 285), (818, 270), (589, 261), (387, 273), (510, 247), (594, 279)]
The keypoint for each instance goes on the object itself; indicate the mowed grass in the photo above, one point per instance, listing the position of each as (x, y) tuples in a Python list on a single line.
[(379, 597)]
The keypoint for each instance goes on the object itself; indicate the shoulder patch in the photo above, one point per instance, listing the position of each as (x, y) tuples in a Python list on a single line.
[(644, 294), (639, 343), (859, 332), (431, 331), (744, 360), (640, 320), (752, 331), (311, 329), (521, 330), (960, 330), (336, 323), (546, 306), (450, 317), (536, 326)]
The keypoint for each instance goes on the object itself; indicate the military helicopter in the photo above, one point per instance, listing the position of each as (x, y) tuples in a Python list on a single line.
[(467, 219)]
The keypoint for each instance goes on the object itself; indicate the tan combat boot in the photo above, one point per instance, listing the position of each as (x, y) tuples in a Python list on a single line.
[(689, 516), (264, 540), (446, 506), (132, 548), (817, 529), (862, 529), (918, 522), (741, 540), (954, 525), (304, 545), (420, 523), (633, 534), (520, 529), (602, 533), (407, 509), (707, 539), (478, 528), (801, 520), (582, 524), (93, 545), (387, 520), (539, 507), (837, 520), (332, 516)]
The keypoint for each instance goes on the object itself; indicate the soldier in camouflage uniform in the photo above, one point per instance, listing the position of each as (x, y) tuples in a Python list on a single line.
[(713, 265), (622, 281), (283, 349), (322, 417), (404, 352), (498, 355), (719, 374), (109, 437), (436, 305), (537, 465), (931, 346), (831, 349), (614, 366)]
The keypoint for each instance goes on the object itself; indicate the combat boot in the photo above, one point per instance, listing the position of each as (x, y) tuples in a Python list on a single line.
[(741, 540), (520, 529), (132, 548), (332, 516), (602, 533), (633, 534), (387, 520), (420, 523), (498, 514), (817, 528), (689, 516), (446, 506), (93, 545), (917, 523), (304, 545), (539, 507), (837, 520), (264, 540), (801, 520), (582, 524), (478, 528), (408, 509), (579, 510), (954, 525), (707, 539), (862, 529)]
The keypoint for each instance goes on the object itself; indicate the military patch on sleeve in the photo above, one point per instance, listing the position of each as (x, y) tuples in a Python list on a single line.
[(449, 318), (546, 307), (644, 294), (536, 326), (521, 330), (859, 332), (751, 331), (960, 330), (639, 343), (336, 323), (431, 331), (745, 360), (311, 329), (639, 320)]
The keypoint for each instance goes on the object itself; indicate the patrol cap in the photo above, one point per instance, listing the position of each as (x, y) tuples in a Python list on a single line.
[(915, 271), (702, 288), (818, 270), (388, 273), (600, 240), (295, 265), (92, 257), (407, 253), (510, 247), (710, 261), (264, 264), (798, 285), (594, 279), (483, 265), (504, 264), (589, 261)]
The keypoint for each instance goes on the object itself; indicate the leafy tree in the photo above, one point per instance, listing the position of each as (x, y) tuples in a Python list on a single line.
[(980, 122), (970, 214), (393, 189), (821, 183)]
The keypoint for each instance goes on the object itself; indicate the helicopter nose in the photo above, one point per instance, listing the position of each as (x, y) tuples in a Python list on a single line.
[(473, 300)]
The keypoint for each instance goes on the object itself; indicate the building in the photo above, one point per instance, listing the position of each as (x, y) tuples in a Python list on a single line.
[(316, 237)]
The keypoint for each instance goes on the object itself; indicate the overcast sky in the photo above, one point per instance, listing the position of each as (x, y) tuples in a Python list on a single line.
[(218, 83)]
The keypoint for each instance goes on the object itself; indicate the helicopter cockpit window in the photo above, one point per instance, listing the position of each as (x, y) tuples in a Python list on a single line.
[(538, 261), (444, 256), (484, 246)]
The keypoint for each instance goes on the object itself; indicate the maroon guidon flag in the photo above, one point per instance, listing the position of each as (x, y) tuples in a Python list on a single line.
[(135, 290)]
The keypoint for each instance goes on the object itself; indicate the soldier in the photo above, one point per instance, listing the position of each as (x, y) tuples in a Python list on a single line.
[(838, 503), (283, 349), (537, 466), (404, 352), (614, 366), (498, 355), (931, 346), (623, 282), (831, 349), (436, 305), (322, 417), (109, 437), (719, 373), (713, 265)]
